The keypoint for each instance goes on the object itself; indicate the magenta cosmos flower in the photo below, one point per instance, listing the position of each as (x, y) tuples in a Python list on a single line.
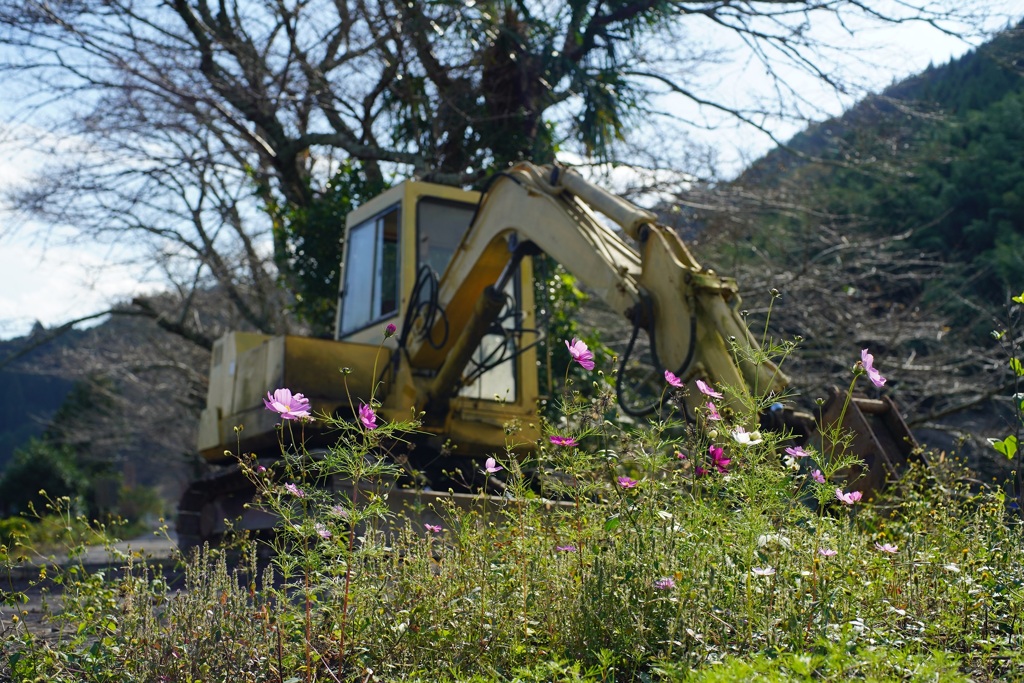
[(665, 583), (672, 379), (713, 413), (718, 458), (707, 390), (491, 466), (817, 476), (848, 498), (367, 416), (580, 353), (626, 482), (566, 441), (433, 528), (287, 405), (566, 548), (868, 362), (887, 548)]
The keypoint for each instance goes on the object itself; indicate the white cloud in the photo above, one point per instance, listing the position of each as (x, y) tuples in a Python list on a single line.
[(50, 276), (55, 284)]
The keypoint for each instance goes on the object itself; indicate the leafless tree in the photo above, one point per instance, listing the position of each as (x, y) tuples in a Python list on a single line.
[(173, 125)]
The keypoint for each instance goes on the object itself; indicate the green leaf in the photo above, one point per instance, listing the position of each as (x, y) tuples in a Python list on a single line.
[(1018, 299), (1007, 446), (1017, 366), (612, 523)]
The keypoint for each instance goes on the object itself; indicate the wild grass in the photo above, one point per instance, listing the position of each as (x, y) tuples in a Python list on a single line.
[(665, 560)]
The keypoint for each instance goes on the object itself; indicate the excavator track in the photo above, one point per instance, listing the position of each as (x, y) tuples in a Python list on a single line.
[(212, 506), (208, 502)]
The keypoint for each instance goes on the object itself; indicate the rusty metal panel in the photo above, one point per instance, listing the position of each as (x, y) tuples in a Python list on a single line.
[(878, 436), (221, 388)]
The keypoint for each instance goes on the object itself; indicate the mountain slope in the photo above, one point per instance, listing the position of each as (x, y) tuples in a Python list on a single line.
[(897, 227)]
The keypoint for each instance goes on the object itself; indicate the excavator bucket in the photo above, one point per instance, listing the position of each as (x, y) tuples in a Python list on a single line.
[(878, 436)]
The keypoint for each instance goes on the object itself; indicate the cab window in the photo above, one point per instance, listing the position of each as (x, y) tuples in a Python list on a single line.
[(441, 225), (370, 288)]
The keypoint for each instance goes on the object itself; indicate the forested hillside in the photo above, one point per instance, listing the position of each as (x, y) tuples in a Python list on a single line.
[(120, 399), (939, 156), (900, 227), (28, 402)]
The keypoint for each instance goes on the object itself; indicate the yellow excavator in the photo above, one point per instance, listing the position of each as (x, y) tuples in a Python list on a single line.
[(451, 269)]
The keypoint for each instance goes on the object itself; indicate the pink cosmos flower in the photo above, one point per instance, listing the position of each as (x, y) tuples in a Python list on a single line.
[(797, 452), (887, 548), (827, 552), (287, 405), (390, 330), (491, 466), (433, 528), (718, 458), (295, 490), (700, 471), (665, 583), (848, 498), (672, 379), (707, 390), (817, 476), (868, 362), (713, 413), (566, 548), (566, 441), (367, 416), (580, 353), (627, 483), (763, 571), (322, 531)]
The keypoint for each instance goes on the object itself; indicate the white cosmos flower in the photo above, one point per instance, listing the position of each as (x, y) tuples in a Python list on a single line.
[(745, 438)]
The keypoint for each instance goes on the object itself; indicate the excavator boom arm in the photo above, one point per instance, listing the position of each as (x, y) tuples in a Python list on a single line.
[(690, 313)]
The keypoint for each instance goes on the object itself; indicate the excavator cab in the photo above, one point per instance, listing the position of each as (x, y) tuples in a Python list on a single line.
[(397, 248)]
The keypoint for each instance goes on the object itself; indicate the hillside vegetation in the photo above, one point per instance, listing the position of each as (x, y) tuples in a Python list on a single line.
[(898, 226)]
